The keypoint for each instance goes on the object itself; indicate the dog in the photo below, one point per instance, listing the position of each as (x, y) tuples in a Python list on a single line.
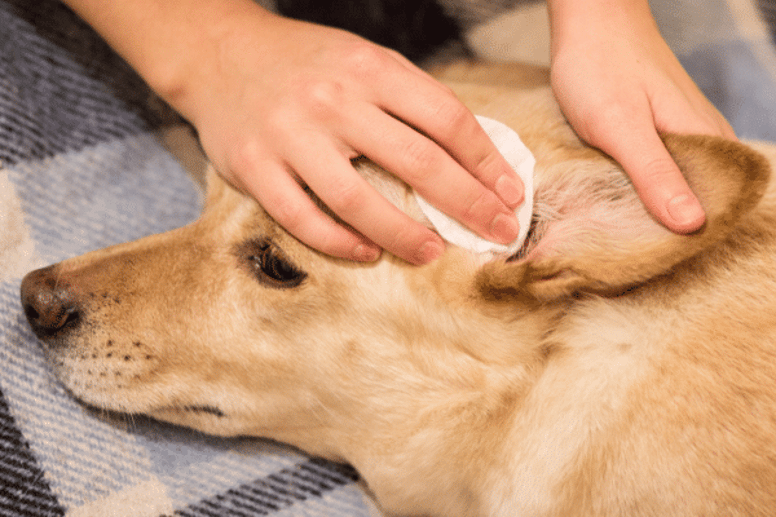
[(609, 368)]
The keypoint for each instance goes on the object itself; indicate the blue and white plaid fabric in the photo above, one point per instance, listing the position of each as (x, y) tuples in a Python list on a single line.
[(81, 168), (726, 46)]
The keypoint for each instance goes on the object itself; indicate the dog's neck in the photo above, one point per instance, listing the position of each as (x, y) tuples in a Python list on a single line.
[(429, 395)]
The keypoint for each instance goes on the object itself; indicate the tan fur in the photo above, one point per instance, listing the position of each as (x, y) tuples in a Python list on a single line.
[(611, 369)]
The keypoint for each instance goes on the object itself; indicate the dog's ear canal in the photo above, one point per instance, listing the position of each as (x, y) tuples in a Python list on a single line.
[(592, 233)]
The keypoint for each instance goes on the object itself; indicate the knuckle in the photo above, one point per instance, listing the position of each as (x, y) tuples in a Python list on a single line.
[(288, 214), (244, 157), (364, 57), (323, 97), (405, 241), (330, 239), (659, 170), (451, 115), (488, 166), (334, 243), (420, 159), (482, 209), (347, 197)]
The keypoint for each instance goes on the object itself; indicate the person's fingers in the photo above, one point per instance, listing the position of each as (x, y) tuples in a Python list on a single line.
[(332, 177), (434, 111), (271, 184), (661, 186), (433, 173), (655, 176)]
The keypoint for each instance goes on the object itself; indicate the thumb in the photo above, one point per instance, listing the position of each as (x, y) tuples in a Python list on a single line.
[(658, 181)]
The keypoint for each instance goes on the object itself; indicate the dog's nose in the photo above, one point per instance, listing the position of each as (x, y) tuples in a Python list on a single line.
[(50, 305)]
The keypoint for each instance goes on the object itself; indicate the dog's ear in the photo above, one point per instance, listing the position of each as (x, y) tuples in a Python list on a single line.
[(592, 233)]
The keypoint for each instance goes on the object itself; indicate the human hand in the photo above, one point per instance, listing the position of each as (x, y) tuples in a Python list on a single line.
[(619, 85), (280, 103)]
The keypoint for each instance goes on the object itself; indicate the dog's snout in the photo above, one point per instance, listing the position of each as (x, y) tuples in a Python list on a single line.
[(51, 306)]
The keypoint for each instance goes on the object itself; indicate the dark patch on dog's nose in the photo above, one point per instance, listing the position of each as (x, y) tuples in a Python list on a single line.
[(50, 305)]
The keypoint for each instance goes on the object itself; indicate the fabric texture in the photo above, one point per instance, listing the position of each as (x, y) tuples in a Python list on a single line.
[(726, 46), (768, 8), (82, 167), (413, 27)]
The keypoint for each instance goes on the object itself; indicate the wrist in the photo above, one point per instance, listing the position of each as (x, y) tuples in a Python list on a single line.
[(574, 21), (195, 55)]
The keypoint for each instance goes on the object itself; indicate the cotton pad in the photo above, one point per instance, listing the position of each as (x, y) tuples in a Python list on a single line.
[(522, 161)]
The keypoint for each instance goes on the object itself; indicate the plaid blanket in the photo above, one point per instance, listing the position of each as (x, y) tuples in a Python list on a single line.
[(82, 167), (727, 48)]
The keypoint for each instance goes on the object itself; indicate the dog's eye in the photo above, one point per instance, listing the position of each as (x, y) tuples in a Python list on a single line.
[(208, 410), (270, 266)]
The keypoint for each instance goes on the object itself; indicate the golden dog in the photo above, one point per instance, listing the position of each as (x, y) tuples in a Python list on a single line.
[(611, 368)]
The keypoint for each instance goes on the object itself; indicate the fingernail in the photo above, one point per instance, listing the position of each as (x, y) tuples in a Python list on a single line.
[(509, 191), (364, 253), (505, 228), (685, 210), (429, 252)]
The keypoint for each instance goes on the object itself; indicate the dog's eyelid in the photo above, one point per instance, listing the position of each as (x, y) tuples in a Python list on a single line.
[(208, 410), (270, 265)]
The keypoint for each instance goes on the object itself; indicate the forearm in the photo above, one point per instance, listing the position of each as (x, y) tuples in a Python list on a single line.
[(166, 41), (577, 17)]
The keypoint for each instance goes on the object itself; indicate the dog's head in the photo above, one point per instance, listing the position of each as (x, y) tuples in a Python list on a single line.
[(231, 326)]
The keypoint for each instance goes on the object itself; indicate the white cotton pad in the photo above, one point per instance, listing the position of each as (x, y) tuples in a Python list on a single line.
[(522, 161)]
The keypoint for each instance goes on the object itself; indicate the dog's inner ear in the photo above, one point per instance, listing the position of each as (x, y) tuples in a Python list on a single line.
[(591, 232), (269, 265)]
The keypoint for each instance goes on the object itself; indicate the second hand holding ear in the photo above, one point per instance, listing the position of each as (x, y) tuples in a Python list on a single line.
[(620, 85)]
